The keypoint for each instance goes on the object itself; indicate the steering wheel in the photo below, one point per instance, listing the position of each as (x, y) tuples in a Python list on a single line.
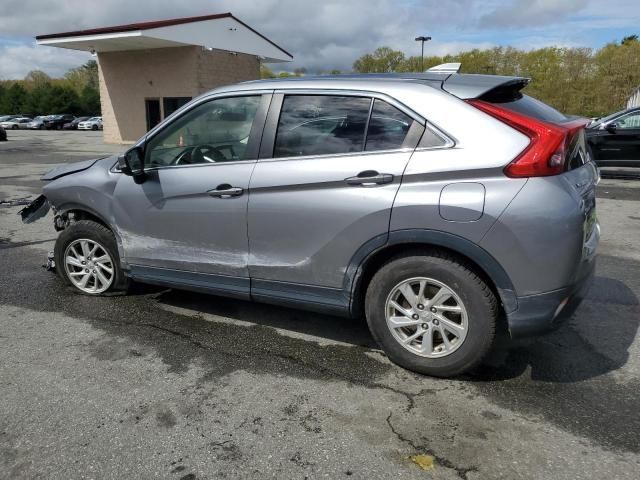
[(207, 153), (200, 154)]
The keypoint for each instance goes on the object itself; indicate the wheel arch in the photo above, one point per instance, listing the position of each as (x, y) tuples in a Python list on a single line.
[(373, 254), (82, 212)]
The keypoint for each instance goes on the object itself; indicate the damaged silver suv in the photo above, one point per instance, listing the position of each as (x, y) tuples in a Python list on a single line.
[(434, 204)]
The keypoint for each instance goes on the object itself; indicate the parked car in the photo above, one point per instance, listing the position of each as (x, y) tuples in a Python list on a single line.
[(73, 125), (436, 204), (615, 140), (56, 122), (94, 123), (3, 134), (37, 123), (16, 123), (5, 118)]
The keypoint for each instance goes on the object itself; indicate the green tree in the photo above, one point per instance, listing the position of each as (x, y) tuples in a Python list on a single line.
[(382, 60), (266, 72), (4, 106), (82, 76), (64, 99), (16, 98), (37, 78), (39, 101), (90, 101), (574, 80)]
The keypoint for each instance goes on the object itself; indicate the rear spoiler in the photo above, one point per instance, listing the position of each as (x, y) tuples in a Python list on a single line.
[(467, 86)]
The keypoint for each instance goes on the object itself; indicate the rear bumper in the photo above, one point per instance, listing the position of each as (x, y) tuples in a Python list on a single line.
[(537, 314)]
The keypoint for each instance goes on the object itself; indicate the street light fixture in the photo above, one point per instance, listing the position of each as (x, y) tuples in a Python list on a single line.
[(422, 39)]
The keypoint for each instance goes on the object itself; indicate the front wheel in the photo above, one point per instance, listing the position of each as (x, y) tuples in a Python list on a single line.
[(87, 258), (431, 314)]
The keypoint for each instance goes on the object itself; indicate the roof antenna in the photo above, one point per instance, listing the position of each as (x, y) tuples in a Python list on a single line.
[(445, 68)]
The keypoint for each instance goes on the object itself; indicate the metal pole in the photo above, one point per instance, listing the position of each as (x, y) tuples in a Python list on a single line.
[(422, 39)]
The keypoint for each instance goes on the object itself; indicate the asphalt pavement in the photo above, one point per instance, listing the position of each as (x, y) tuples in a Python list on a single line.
[(168, 384)]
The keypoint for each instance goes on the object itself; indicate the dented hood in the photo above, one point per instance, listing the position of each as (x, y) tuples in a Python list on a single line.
[(68, 168)]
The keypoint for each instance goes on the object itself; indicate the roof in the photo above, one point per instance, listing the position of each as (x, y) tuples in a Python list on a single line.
[(462, 85), (134, 26), (220, 31)]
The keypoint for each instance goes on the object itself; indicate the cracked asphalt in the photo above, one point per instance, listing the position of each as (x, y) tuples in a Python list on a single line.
[(168, 384)]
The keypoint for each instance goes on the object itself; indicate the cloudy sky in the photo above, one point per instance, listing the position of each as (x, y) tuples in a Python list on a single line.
[(326, 34)]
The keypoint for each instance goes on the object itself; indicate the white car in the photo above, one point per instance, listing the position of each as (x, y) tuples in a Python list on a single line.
[(16, 123), (37, 123), (94, 123)]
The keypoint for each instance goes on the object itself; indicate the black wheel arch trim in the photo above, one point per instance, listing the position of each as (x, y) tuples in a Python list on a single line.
[(461, 245)]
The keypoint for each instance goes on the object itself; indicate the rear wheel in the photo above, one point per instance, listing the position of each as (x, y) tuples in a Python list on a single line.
[(431, 314), (87, 258)]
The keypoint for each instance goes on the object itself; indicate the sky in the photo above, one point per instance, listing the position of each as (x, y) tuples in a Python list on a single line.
[(327, 34)]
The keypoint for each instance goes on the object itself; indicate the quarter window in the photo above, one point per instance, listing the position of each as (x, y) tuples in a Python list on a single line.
[(213, 132), (388, 127), (321, 125)]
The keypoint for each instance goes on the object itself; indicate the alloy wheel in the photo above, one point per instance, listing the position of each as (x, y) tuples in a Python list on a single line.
[(426, 317), (89, 266)]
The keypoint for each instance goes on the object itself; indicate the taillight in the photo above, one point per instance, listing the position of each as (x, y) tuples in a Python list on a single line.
[(549, 144)]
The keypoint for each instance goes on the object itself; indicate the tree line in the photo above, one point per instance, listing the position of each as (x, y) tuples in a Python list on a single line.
[(39, 94), (579, 81)]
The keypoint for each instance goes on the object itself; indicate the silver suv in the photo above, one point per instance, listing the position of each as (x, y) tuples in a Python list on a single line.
[(441, 206)]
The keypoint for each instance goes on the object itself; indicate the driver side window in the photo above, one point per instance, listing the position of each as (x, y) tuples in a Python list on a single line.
[(215, 131), (629, 121)]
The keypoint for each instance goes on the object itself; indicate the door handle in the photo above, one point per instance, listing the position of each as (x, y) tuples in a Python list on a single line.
[(369, 178), (226, 191)]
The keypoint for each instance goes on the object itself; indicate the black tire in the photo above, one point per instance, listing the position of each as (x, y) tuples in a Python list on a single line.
[(94, 127), (99, 233), (477, 297), (14, 127)]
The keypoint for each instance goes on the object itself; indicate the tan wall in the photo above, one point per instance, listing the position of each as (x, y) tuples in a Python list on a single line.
[(128, 78)]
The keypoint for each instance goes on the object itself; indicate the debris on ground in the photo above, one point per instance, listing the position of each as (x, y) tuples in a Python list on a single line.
[(35, 210), (15, 203), (50, 266), (425, 462)]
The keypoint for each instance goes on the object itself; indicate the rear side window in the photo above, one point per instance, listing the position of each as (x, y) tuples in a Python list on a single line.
[(321, 125), (388, 127)]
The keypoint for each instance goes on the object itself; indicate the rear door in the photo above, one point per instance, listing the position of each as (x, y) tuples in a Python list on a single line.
[(330, 167)]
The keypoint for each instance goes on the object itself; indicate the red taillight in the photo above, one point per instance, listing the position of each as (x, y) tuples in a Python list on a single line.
[(548, 148)]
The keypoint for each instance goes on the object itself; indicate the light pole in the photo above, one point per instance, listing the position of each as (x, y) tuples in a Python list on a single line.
[(422, 39)]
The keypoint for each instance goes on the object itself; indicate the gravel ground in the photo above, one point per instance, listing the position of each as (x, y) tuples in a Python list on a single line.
[(169, 384)]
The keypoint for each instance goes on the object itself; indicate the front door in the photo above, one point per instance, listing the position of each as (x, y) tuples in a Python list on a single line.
[(186, 222), (328, 187), (622, 145)]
